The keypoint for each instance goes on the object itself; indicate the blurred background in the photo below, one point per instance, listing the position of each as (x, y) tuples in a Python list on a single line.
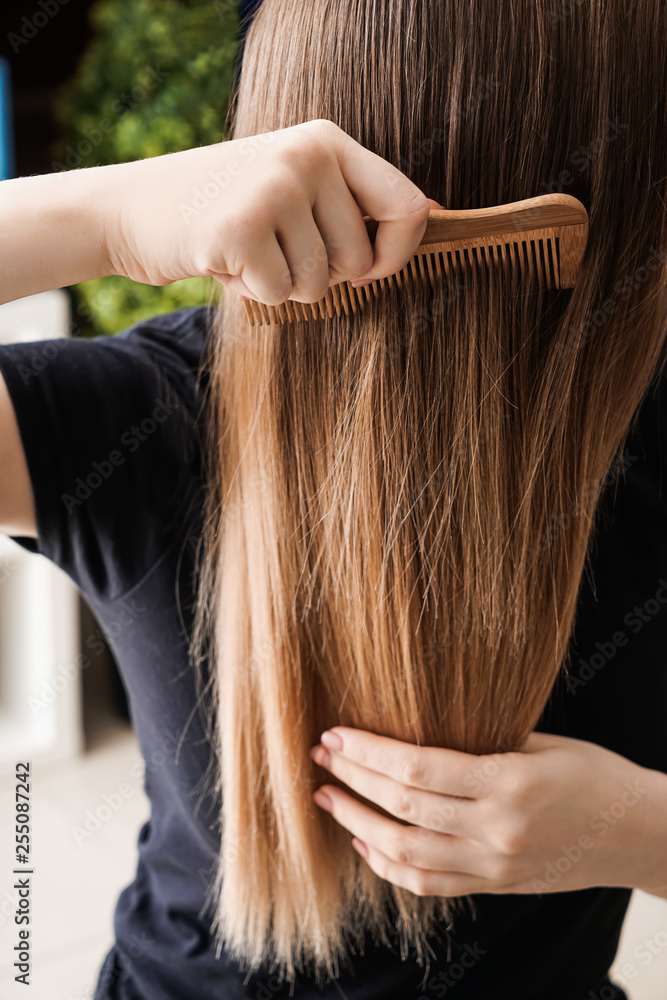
[(82, 83)]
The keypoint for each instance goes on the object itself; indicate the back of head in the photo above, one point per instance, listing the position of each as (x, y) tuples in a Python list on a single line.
[(401, 502)]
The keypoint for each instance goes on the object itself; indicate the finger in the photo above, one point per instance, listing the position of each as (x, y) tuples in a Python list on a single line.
[(345, 235), (428, 810), (306, 255), (426, 882), (405, 846), (387, 195), (235, 284), (264, 274), (333, 234), (448, 772)]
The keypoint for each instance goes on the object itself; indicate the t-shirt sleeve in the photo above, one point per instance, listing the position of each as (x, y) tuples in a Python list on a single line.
[(111, 432)]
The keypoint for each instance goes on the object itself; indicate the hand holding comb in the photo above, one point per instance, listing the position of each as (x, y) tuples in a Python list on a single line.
[(542, 238)]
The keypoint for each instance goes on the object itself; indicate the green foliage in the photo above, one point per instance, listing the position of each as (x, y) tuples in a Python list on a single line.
[(156, 78), (111, 304)]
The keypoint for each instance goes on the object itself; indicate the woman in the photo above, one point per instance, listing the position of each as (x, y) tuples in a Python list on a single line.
[(379, 525)]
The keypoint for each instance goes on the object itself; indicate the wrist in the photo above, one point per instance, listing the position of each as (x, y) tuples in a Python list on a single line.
[(79, 203), (91, 202), (651, 842)]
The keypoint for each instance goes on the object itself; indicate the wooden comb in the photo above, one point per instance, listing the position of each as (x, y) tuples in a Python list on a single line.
[(541, 238)]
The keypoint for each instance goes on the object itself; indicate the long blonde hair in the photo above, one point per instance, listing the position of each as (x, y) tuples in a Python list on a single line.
[(384, 540)]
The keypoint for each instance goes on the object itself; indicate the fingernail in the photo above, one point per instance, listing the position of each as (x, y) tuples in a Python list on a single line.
[(321, 756), (331, 740), (361, 284), (323, 800), (359, 847)]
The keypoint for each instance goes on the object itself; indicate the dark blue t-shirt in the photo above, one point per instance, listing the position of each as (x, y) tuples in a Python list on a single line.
[(112, 431)]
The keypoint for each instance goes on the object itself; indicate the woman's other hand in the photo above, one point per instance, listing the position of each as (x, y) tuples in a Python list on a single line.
[(557, 815)]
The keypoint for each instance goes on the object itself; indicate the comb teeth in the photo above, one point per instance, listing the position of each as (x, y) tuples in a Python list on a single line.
[(540, 240), (536, 259)]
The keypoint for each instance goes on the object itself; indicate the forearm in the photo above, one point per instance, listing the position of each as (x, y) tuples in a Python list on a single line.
[(52, 231)]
